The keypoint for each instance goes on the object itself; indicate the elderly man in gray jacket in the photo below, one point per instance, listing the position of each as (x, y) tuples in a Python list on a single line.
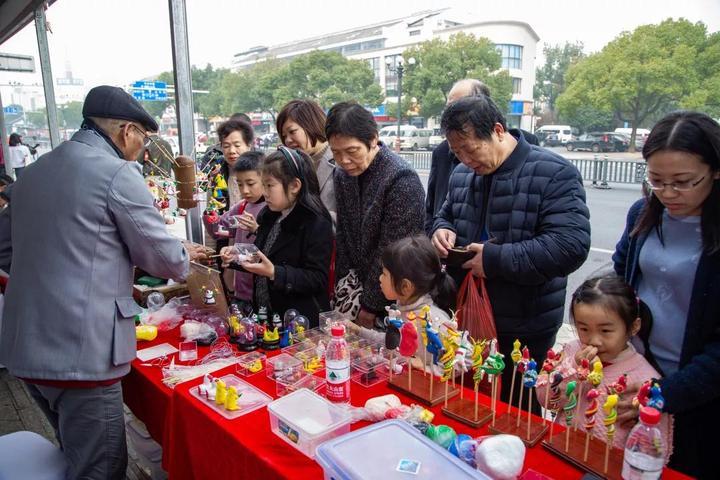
[(79, 220)]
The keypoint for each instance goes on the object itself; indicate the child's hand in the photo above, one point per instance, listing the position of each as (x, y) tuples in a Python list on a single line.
[(227, 254), (264, 268), (247, 222), (588, 352)]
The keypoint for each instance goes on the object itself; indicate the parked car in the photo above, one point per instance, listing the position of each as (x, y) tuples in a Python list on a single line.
[(547, 139), (599, 142), (436, 138), (564, 132)]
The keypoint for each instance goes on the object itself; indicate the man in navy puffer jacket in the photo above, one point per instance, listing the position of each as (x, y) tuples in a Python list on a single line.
[(522, 210)]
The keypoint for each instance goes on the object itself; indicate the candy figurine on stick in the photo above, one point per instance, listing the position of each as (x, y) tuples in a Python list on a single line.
[(593, 404), (522, 367), (554, 388), (529, 380), (516, 356), (447, 361), (408, 346), (477, 362), (493, 366), (569, 410), (596, 376), (610, 409), (582, 372)]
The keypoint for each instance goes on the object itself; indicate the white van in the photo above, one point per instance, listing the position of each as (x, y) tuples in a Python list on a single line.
[(411, 137), (564, 132), (640, 133)]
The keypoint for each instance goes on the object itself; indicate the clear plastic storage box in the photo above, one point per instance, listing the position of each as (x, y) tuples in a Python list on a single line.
[(390, 450), (304, 419), (282, 366)]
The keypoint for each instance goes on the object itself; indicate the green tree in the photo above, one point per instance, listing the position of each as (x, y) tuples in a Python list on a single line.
[(37, 118), (550, 78), (642, 73), (439, 64), (326, 77), (70, 115)]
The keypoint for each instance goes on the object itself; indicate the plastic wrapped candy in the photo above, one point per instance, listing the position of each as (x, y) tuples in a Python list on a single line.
[(457, 442), (155, 301), (441, 434), (500, 456)]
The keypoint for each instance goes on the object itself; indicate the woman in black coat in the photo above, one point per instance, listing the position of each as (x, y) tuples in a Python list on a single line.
[(294, 237)]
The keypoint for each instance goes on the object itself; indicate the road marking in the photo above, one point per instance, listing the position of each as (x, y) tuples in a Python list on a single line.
[(601, 250)]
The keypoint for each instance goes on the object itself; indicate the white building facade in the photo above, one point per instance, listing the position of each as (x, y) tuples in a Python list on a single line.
[(384, 43)]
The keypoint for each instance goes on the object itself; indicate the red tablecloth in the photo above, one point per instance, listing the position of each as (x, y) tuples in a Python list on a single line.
[(199, 443)]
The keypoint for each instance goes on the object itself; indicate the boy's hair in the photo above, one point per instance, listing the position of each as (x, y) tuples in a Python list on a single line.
[(287, 164), (230, 126), (248, 161), (613, 293), (6, 180), (415, 259)]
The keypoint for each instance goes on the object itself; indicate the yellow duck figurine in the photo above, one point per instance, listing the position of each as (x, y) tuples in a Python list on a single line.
[(271, 335), (596, 376), (220, 392), (313, 365), (231, 399)]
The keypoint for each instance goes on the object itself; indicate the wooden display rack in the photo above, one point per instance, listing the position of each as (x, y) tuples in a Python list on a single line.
[(596, 454), (421, 387), (507, 423), (463, 410)]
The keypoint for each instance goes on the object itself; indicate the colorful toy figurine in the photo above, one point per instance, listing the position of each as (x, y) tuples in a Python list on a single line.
[(569, 410), (447, 361), (433, 344), (271, 339), (209, 298), (655, 399), (582, 372), (619, 386), (231, 399), (207, 388), (592, 396), (220, 392), (516, 356), (610, 409)]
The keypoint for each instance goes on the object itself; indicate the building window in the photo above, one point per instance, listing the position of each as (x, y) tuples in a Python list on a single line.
[(516, 85), (414, 33), (375, 66), (391, 79), (511, 55)]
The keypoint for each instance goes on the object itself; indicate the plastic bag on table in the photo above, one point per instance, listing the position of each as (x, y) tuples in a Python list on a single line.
[(167, 318)]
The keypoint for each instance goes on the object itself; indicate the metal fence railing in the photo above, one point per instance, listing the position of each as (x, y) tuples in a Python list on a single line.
[(599, 170)]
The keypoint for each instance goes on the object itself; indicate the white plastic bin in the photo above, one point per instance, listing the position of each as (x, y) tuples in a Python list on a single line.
[(304, 419), (390, 450)]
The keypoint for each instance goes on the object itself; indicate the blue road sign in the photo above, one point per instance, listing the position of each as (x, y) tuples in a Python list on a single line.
[(149, 91), (11, 109)]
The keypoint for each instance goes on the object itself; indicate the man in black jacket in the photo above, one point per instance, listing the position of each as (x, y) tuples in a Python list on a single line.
[(521, 210), (444, 160)]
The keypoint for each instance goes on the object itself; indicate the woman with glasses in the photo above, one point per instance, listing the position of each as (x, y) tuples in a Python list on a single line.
[(670, 253)]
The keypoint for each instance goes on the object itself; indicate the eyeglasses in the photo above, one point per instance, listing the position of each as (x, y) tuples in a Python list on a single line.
[(146, 139), (685, 186)]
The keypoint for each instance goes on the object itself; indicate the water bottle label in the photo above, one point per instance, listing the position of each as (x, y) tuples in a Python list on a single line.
[(337, 372)]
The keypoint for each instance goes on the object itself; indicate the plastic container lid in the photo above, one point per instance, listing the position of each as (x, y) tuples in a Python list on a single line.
[(402, 450), (649, 415), (309, 412)]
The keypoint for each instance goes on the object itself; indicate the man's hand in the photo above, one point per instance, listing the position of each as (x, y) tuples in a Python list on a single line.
[(443, 239), (366, 319), (476, 263), (264, 268), (197, 252)]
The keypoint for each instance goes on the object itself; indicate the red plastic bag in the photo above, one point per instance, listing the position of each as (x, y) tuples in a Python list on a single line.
[(474, 312)]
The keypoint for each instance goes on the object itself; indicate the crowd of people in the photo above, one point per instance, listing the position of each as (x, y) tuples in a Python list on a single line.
[(341, 221)]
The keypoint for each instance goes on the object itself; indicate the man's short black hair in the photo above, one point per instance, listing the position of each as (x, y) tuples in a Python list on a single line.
[(5, 180), (352, 120), (248, 161), (478, 113)]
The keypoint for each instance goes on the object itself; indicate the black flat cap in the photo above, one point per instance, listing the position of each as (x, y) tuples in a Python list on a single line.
[(113, 102)]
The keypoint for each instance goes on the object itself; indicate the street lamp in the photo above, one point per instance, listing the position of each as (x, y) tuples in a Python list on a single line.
[(399, 69)]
